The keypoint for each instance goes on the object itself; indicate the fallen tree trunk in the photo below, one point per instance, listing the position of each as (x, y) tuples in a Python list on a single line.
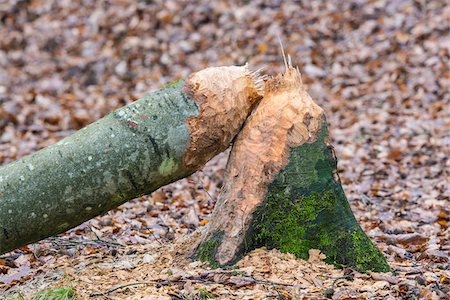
[(165, 136), (282, 190)]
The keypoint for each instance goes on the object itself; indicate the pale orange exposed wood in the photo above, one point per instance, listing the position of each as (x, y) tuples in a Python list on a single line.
[(225, 96)]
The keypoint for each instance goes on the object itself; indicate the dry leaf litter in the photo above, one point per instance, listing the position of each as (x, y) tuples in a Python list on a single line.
[(381, 70)]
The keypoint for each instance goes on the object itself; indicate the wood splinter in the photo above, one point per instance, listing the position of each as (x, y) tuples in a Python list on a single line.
[(281, 187)]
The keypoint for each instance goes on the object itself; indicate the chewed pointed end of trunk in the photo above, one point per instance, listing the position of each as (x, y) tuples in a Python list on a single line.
[(225, 97)]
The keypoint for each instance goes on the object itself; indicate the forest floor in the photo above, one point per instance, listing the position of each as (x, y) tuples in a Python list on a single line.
[(379, 68)]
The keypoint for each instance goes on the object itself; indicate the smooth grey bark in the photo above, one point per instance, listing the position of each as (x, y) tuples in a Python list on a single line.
[(130, 152)]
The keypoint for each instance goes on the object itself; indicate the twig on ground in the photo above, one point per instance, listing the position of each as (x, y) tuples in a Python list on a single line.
[(206, 191), (95, 233), (345, 277), (197, 279), (83, 242), (128, 285), (156, 238)]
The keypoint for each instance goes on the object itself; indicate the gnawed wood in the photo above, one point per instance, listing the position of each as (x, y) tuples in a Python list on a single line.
[(225, 97)]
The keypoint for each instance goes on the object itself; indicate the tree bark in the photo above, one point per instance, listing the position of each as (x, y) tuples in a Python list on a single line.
[(165, 136), (282, 190)]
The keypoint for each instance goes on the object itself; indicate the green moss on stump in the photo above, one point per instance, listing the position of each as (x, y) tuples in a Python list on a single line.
[(306, 208), (207, 250), (297, 225), (278, 223), (367, 256)]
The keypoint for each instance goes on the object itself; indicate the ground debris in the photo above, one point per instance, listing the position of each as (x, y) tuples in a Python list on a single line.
[(378, 68)]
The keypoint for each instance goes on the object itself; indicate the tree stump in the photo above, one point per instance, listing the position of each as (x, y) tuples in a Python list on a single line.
[(282, 190)]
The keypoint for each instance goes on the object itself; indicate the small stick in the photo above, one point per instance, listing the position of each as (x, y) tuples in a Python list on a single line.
[(196, 280), (206, 191), (156, 238), (83, 242), (128, 285)]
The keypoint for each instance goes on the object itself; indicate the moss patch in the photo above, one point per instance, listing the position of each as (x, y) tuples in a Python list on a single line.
[(167, 167), (174, 83), (306, 208), (56, 294), (207, 250), (16, 297), (367, 255), (117, 197), (315, 221), (284, 224), (279, 223)]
